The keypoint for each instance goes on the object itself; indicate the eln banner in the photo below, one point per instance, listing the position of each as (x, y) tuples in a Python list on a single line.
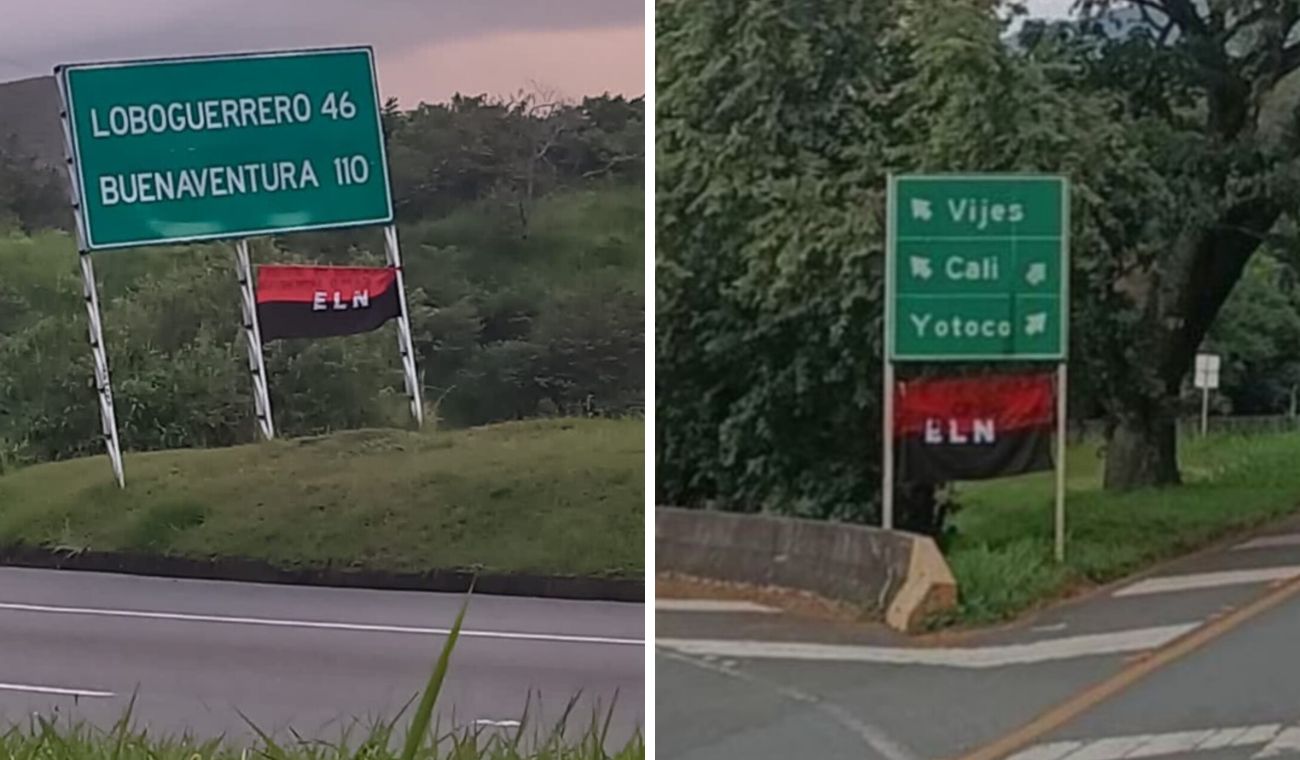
[(318, 302), (974, 428)]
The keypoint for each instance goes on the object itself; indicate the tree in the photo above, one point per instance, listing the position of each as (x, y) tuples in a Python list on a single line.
[(1258, 335), (772, 161), (773, 139), (1210, 89)]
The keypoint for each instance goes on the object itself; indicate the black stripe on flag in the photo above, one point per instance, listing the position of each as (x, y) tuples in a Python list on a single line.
[(333, 315)]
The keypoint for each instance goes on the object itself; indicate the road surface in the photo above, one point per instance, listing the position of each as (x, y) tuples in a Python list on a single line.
[(197, 653), (1201, 659)]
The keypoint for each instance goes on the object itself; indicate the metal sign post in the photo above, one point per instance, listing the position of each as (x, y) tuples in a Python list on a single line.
[(1062, 394), (90, 294), (107, 414), (404, 343), (253, 340), (887, 371), (887, 473), (1205, 411)]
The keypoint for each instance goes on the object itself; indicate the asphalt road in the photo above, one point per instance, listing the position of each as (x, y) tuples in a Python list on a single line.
[(1238, 697), (1200, 660), (196, 654)]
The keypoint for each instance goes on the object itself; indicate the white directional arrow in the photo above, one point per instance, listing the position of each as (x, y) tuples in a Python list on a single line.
[(921, 268), (1036, 274), (1036, 324), (921, 209)]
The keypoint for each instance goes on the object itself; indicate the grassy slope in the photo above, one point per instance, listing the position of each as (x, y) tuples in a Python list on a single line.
[(1002, 556), (559, 497)]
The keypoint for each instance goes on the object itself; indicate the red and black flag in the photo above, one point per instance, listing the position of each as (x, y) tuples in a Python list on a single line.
[(317, 302), (974, 427)]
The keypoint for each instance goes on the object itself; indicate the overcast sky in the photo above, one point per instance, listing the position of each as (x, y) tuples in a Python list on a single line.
[(1053, 8), (426, 49)]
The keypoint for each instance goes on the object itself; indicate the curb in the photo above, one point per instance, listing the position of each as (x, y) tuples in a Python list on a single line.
[(248, 570), (929, 587)]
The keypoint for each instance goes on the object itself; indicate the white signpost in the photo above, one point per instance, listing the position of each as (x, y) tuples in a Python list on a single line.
[(1207, 379), (404, 343), (253, 339)]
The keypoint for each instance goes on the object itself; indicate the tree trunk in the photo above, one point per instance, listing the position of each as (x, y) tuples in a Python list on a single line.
[(1142, 450)]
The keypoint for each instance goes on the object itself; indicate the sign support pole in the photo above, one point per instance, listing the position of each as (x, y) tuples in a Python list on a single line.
[(887, 370), (1205, 410), (253, 340), (1062, 385), (404, 343), (103, 389), (887, 473), (90, 294)]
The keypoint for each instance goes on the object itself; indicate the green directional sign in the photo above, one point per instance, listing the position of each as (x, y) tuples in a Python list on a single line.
[(977, 267), (185, 149)]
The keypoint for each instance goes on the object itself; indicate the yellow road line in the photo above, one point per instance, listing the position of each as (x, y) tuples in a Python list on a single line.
[(1091, 697)]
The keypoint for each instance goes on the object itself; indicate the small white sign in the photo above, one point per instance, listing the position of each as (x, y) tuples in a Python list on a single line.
[(1207, 371)]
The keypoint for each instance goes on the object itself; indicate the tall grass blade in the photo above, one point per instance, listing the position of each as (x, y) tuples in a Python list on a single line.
[(424, 712)]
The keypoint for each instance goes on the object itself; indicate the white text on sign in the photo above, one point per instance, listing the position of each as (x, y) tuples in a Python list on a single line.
[(978, 212), (208, 115)]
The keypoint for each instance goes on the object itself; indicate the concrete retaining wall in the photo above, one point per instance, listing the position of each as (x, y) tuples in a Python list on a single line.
[(895, 574)]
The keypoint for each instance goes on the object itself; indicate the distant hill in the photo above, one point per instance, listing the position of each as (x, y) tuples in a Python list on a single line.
[(29, 117)]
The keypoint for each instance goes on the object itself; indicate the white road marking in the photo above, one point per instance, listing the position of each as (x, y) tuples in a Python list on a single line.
[(1224, 737), (497, 723), (1105, 749), (970, 657), (1209, 580), (1284, 744), (1172, 743), (1175, 743), (1259, 734), (55, 690), (318, 625), (710, 605), (1270, 542)]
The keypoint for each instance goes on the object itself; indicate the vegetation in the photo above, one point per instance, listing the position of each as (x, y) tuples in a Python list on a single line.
[(1002, 553), (777, 126), (558, 497), (522, 231), (50, 740)]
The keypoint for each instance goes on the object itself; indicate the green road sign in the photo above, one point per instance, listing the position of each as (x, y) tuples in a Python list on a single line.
[(977, 267), (186, 149)]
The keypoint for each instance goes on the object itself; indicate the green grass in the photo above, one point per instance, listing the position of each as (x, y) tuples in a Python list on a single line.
[(1002, 553), (561, 497), (42, 739)]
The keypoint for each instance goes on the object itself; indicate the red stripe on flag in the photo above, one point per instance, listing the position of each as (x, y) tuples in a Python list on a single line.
[(1011, 402), (301, 284)]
